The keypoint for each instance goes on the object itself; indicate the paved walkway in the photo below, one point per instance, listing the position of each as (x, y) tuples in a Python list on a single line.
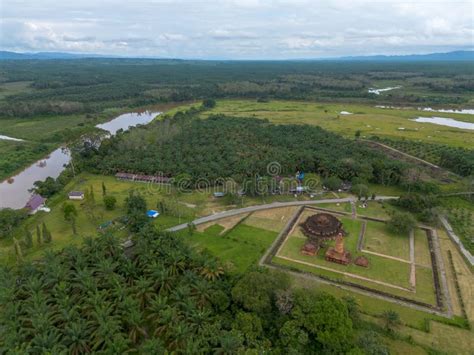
[(231, 213)]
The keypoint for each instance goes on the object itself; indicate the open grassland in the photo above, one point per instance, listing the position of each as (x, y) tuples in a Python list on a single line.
[(239, 248), (379, 239), (441, 337), (52, 128), (369, 120), (376, 209), (273, 219), (15, 87), (183, 207), (14, 156)]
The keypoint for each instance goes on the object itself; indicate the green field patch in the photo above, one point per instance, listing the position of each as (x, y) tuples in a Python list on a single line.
[(241, 247), (425, 288), (422, 249), (379, 239), (369, 120), (14, 87), (376, 209), (380, 269)]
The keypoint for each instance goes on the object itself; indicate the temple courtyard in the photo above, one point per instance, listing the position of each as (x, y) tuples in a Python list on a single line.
[(364, 254)]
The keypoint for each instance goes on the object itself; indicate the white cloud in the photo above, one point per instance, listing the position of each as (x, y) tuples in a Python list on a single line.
[(237, 28)]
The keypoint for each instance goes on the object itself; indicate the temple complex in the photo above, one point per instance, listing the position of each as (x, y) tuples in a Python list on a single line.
[(320, 228)]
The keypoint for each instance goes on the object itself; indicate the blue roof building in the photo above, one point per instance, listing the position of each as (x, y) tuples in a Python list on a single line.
[(152, 213)]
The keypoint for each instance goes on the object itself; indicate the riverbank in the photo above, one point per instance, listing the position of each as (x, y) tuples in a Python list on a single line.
[(42, 135), (14, 193)]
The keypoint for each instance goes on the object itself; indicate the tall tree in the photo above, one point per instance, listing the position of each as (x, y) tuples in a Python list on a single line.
[(38, 235), (47, 237), (69, 211), (28, 238)]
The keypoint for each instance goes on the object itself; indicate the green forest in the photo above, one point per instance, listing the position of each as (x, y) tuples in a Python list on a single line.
[(92, 85), (163, 297), (222, 147)]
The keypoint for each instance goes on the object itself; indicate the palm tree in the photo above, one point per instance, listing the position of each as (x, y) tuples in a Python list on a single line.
[(212, 270), (143, 291), (76, 337), (134, 324), (156, 306), (201, 290), (178, 335), (105, 325), (176, 263)]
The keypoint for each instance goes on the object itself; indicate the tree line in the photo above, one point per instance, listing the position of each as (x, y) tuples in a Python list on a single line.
[(92, 85), (239, 148)]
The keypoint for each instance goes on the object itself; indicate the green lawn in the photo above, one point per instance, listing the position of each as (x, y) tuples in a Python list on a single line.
[(379, 239), (422, 251), (241, 247), (367, 119), (380, 268)]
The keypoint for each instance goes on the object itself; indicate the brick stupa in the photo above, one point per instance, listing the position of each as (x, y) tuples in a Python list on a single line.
[(337, 254)]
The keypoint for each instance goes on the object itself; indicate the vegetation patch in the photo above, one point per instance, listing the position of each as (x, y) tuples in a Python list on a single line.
[(240, 248), (380, 239)]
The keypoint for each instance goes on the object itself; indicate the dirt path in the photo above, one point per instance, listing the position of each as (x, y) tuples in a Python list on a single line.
[(386, 256), (353, 210)]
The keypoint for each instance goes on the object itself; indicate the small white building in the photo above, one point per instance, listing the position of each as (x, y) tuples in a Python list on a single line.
[(76, 195)]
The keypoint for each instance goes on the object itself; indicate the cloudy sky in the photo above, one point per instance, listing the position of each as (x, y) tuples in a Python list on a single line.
[(237, 29)]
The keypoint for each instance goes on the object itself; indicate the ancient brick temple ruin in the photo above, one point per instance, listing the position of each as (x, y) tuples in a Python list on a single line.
[(320, 228)]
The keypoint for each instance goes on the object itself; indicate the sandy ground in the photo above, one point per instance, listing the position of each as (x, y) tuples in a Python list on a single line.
[(227, 223), (273, 220)]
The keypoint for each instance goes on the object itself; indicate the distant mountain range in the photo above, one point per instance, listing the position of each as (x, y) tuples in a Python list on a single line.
[(5, 55), (449, 56)]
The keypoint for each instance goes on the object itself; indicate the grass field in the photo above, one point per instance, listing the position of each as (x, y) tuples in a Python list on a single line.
[(16, 87), (368, 119), (51, 128), (378, 238), (240, 248)]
